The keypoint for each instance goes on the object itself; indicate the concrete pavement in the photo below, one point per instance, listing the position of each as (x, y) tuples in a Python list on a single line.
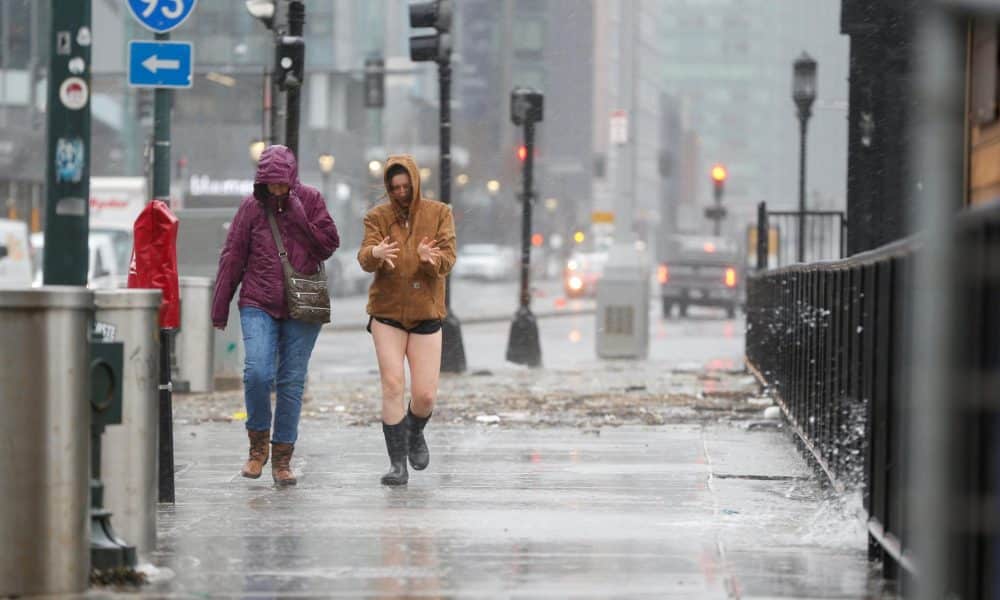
[(678, 511)]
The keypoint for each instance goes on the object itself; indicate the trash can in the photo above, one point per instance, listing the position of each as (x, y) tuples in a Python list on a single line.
[(45, 432), (623, 305), (195, 340), (129, 451)]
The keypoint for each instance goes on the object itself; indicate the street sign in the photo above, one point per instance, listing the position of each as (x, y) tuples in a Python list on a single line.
[(618, 133), (161, 16), (715, 212), (159, 64), (598, 216)]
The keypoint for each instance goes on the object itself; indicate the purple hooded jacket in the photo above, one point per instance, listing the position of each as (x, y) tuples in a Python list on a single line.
[(250, 255)]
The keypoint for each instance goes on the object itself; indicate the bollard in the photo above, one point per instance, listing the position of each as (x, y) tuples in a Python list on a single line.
[(45, 428), (129, 451), (195, 340)]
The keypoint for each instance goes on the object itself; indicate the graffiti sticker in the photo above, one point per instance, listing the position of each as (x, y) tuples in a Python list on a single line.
[(64, 43), (69, 160), (83, 36), (73, 93), (77, 65)]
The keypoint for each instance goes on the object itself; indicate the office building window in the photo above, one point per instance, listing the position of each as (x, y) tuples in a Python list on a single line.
[(529, 37)]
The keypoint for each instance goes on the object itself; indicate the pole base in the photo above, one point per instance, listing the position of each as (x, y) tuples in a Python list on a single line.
[(523, 346), (107, 550), (452, 349)]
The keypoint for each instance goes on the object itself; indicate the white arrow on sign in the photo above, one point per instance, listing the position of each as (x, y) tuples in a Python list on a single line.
[(153, 63)]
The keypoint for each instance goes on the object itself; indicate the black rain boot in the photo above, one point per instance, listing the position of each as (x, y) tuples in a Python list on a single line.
[(420, 456), (395, 445)]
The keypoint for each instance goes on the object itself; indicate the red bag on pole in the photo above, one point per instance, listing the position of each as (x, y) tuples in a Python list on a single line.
[(154, 259)]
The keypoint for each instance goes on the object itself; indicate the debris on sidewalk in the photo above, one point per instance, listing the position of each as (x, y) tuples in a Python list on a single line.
[(611, 395)]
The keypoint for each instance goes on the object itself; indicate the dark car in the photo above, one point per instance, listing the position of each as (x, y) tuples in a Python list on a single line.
[(699, 270)]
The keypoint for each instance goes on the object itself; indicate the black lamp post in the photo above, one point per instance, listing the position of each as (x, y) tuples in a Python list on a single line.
[(804, 94), (523, 345), (436, 47)]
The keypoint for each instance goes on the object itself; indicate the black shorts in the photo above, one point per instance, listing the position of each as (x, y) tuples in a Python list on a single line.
[(423, 327)]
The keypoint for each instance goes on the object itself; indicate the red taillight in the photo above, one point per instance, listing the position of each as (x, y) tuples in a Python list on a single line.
[(663, 274), (730, 277)]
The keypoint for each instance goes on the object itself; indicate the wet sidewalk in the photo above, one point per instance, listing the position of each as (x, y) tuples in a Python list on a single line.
[(686, 510)]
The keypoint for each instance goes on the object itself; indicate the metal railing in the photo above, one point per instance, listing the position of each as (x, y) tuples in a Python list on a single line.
[(832, 341), (824, 231)]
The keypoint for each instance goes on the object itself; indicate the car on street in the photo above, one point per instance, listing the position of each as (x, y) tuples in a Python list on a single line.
[(110, 252), (489, 262), (584, 268), (700, 270)]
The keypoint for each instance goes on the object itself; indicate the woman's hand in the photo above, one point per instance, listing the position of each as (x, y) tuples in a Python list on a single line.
[(428, 251), (387, 251)]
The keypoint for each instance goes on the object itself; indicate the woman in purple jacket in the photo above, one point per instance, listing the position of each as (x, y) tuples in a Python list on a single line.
[(250, 257)]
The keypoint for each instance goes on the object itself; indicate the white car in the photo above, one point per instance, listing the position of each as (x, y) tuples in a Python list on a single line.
[(15, 254), (110, 251), (491, 262)]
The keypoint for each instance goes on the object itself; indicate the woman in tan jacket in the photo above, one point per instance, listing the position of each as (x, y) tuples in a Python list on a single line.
[(409, 245)]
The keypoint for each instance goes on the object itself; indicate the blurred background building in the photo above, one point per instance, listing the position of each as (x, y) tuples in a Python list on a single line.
[(714, 80)]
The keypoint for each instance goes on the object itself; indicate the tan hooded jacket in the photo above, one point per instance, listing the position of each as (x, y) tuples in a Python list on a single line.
[(414, 290)]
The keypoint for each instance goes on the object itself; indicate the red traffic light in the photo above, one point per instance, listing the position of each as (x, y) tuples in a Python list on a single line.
[(719, 173), (522, 153), (537, 240)]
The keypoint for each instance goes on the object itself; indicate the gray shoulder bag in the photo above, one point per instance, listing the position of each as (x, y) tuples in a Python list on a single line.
[(307, 295)]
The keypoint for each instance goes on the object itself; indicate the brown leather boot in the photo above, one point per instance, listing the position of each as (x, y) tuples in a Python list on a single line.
[(258, 453), (281, 466)]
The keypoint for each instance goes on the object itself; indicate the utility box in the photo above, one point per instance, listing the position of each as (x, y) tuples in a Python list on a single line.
[(623, 304), (129, 450)]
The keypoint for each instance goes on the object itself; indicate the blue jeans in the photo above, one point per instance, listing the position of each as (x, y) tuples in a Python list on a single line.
[(275, 347)]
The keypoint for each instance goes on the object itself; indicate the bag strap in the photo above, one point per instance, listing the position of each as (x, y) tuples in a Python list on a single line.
[(282, 253)]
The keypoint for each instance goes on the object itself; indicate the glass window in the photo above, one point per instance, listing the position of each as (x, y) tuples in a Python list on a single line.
[(529, 37)]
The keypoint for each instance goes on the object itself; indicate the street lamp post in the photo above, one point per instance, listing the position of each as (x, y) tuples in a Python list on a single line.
[(804, 94), (523, 346), (436, 47)]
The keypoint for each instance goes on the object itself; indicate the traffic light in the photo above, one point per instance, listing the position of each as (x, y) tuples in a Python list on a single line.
[(290, 58), (719, 176), (374, 83), (435, 46), (522, 153)]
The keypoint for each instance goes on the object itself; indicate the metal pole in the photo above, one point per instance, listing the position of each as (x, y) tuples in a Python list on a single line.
[(527, 197), (296, 26), (935, 513), (68, 153), (161, 191), (762, 236), (717, 219), (452, 349), (523, 344), (803, 119)]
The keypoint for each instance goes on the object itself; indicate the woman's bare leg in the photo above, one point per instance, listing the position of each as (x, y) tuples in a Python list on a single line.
[(423, 353), (390, 348)]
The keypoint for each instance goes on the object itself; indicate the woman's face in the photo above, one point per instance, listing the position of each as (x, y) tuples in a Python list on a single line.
[(277, 189), (400, 188)]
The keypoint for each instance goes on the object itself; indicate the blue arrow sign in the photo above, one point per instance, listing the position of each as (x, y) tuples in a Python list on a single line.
[(159, 64), (161, 15)]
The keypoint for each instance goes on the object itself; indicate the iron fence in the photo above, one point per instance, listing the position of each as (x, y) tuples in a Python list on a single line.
[(824, 235), (832, 342)]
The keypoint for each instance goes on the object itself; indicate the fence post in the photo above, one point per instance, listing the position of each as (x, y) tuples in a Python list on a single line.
[(763, 230)]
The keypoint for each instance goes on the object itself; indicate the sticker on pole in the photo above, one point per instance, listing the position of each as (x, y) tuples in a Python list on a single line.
[(73, 93), (161, 16)]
